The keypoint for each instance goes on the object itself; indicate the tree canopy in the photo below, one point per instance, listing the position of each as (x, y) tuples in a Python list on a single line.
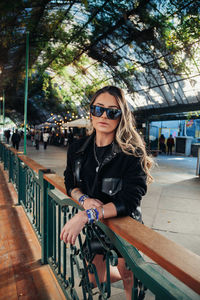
[(149, 48)]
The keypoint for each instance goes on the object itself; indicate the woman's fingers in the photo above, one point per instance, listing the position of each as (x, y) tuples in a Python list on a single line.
[(100, 202), (73, 240), (62, 232), (92, 203), (66, 237)]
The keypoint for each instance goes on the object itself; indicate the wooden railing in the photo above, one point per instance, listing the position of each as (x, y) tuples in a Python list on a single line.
[(128, 233)]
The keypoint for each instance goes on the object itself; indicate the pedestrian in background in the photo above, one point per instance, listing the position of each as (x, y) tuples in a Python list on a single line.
[(170, 144), (16, 139), (45, 138), (7, 135), (37, 140), (162, 145)]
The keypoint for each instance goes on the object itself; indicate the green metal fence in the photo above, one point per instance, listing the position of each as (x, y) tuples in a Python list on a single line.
[(48, 210)]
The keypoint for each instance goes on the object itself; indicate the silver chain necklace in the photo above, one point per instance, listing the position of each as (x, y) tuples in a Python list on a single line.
[(95, 156)]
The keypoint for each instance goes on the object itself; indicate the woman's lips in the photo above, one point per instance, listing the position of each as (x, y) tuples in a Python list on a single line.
[(102, 123)]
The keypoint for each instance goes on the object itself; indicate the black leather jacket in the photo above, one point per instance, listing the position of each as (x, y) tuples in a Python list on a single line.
[(120, 178)]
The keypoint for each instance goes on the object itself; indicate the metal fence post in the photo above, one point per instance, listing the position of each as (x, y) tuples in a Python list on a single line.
[(4, 157), (46, 217), (10, 165), (1, 152), (21, 183)]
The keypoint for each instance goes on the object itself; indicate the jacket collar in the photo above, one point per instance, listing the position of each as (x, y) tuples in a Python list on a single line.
[(86, 143)]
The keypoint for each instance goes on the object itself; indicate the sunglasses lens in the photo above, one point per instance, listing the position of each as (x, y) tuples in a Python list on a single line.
[(113, 114), (98, 111)]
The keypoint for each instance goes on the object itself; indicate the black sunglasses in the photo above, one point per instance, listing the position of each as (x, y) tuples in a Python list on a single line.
[(111, 113)]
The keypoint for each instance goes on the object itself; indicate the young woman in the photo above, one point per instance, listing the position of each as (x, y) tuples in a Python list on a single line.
[(107, 173)]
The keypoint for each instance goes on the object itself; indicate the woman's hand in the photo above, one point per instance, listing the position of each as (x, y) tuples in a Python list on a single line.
[(92, 203), (73, 227)]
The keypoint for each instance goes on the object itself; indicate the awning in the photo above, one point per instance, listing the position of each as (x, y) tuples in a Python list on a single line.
[(80, 123)]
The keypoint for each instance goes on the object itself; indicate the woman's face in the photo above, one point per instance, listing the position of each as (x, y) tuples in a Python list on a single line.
[(103, 124)]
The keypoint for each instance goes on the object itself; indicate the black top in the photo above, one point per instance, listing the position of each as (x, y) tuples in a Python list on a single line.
[(120, 178), (101, 152)]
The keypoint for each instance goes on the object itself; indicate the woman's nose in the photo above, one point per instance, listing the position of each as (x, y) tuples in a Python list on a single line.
[(104, 115)]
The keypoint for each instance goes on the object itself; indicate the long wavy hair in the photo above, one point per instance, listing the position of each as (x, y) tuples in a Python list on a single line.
[(126, 135)]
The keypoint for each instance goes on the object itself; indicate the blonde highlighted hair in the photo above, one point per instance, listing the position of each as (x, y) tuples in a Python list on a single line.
[(126, 135)]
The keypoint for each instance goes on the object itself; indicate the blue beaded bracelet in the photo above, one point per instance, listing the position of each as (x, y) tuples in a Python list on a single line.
[(93, 215), (82, 199)]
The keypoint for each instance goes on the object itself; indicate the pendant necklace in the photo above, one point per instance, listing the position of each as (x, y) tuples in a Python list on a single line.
[(95, 156)]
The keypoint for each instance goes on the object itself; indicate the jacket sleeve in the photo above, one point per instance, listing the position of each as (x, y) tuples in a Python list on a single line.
[(68, 173), (134, 186)]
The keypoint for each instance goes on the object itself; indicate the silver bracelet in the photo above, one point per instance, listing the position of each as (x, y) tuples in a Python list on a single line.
[(102, 212)]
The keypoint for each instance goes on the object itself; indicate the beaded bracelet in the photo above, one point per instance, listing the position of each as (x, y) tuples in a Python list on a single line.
[(93, 215), (82, 199)]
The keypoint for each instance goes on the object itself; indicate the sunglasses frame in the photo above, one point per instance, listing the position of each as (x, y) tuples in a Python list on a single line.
[(107, 110)]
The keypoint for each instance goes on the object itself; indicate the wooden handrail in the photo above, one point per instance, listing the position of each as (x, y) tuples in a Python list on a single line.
[(56, 181), (31, 163), (27, 160), (177, 260), (13, 150)]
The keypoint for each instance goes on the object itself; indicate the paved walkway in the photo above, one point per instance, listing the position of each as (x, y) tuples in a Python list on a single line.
[(21, 274), (172, 204)]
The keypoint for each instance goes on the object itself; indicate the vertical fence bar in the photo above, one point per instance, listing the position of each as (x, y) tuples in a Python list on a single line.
[(39, 208), (50, 226), (22, 197), (19, 178), (10, 166), (59, 241), (5, 158), (36, 206), (64, 250), (46, 216), (1, 148), (54, 232), (44, 191)]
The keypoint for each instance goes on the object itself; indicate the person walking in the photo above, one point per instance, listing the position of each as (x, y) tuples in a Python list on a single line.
[(37, 140), (7, 135), (16, 139), (45, 137), (170, 144), (107, 172), (162, 145)]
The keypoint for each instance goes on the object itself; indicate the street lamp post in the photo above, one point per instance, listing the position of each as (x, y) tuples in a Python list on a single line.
[(1, 99), (3, 108), (26, 90), (2, 119)]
